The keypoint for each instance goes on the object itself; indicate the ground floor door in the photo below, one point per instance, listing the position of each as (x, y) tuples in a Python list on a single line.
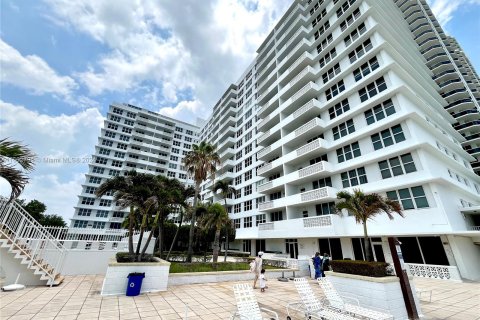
[(332, 247), (292, 248), (260, 245)]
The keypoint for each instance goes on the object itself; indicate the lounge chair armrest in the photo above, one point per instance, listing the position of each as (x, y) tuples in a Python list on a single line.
[(270, 312), (351, 300)]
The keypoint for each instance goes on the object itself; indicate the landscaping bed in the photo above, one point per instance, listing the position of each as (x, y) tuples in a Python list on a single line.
[(177, 267)]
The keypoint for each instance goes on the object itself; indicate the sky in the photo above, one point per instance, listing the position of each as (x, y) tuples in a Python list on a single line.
[(63, 62)]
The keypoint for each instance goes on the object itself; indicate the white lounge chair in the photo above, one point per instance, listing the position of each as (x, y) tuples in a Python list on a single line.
[(336, 301), (247, 306), (310, 306)]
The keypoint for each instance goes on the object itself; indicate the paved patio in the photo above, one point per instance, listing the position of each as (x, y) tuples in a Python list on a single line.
[(79, 298)]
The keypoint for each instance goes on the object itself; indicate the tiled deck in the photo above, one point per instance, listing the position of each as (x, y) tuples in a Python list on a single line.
[(79, 298)]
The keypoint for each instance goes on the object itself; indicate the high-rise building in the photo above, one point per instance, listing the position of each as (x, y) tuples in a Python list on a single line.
[(353, 94), (132, 139), (342, 94)]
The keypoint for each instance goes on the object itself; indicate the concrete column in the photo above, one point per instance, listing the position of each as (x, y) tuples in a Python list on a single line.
[(347, 248), (467, 255)]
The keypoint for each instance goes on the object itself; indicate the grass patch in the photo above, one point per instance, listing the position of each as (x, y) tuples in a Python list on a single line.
[(177, 267)]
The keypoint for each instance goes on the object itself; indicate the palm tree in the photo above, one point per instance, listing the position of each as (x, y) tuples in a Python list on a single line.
[(216, 217), (12, 152), (200, 162), (226, 190), (364, 207), (130, 191)]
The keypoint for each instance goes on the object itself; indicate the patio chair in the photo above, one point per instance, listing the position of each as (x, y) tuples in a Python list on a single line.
[(311, 307), (247, 306), (338, 302)]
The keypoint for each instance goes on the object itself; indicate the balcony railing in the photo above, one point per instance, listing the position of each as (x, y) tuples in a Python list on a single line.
[(316, 222), (433, 271), (265, 205), (264, 168), (266, 226), (314, 194), (314, 168)]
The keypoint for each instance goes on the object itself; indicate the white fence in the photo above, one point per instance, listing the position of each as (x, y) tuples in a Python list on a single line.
[(433, 271)]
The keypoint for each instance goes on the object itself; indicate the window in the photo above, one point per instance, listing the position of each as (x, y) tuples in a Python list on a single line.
[(276, 216), (237, 208), (95, 180), (379, 112), (187, 146), (173, 158), (248, 136), (323, 157), (122, 146), (410, 198), (101, 214), (261, 218), (105, 203), (239, 132), (348, 152), (171, 174), (397, 166), (107, 143), (247, 190), (178, 129), (105, 152), (238, 167), (343, 129), (188, 139), (115, 118), (112, 126), (360, 50), (177, 143), (131, 115), (319, 17), (344, 7), (98, 170), (116, 163), (126, 130), (119, 154), (387, 137), (118, 214), (324, 43), (248, 175), (248, 148), (325, 208), (247, 205), (355, 34), (172, 165), (175, 150), (238, 193), (88, 201), (182, 176), (338, 109), (372, 89), (110, 134), (101, 160), (177, 136), (321, 183), (115, 225), (248, 161), (113, 172), (117, 111), (238, 155), (332, 72), (189, 132), (238, 180), (354, 177), (259, 200), (236, 223), (247, 222), (335, 90), (248, 124), (365, 69), (128, 122), (98, 225), (350, 19), (276, 195), (124, 138), (80, 224), (239, 143), (322, 30), (328, 57), (90, 190), (84, 212)]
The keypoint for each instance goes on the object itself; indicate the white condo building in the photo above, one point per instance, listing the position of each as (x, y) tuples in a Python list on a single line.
[(343, 94), (132, 138)]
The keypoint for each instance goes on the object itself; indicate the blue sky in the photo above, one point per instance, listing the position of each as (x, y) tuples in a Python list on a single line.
[(63, 62)]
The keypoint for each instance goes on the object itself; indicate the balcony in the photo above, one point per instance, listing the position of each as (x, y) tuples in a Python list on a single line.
[(227, 154), (268, 168), (300, 199), (226, 176), (327, 225), (270, 186)]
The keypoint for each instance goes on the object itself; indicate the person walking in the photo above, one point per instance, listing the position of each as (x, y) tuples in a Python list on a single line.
[(257, 268), (263, 281), (317, 264)]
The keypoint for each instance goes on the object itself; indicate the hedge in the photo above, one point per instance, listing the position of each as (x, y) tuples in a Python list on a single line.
[(126, 257), (360, 267)]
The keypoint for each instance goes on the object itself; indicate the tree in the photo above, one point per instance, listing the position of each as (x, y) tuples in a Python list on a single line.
[(130, 191), (215, 218), (226, 191), (200, 162), (364, 207), (11, 153), (35, 208), (53, 220)]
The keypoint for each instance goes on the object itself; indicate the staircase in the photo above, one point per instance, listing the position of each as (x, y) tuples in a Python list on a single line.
[(30, 242)]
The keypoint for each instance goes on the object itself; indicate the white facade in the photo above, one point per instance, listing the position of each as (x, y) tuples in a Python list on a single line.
[(132, 139), (340, 96)]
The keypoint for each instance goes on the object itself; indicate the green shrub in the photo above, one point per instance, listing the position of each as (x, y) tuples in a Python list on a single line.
[(126, 257), (176, 267), (360, 267)]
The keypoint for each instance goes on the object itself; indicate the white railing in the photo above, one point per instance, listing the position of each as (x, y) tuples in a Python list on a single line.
[(302, 91), (307, 126), (263, 136), (314, 194), (265, 205), (265, 168), (263, 152), (475, 228), (308, 147), (89, 234), (266, 226), (298, 61), (433, 271), (300, 75), (307, 106), (265, 186), (319, 221), (20, 227), (264, 121), (314, 168)]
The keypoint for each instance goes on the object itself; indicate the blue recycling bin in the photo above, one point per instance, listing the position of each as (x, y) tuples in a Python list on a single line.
[(134, 286)]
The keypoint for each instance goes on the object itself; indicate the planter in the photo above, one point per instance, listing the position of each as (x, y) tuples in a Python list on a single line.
[(221, 276), (156, 276), (378, 293)]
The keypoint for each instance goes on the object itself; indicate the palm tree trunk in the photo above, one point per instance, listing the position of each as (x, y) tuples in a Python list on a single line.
[(216, 245), (226, 231), (130, 230), (366, 243), (161, 235), (140, 238), (175, 236), (192, 224)]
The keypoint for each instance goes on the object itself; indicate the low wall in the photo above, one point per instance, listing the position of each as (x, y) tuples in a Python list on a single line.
[(378, 293), (156, 276), (175, 279)]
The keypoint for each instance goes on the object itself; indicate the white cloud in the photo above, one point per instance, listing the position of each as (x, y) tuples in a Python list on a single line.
[(199, 46), (32, 73), (59, 142), (186, 110), (445, 9)]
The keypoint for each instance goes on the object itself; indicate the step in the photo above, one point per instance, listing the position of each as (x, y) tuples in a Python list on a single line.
[(58, 280)]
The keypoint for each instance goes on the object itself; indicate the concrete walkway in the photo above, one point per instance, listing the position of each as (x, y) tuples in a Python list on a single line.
[(79, 298)]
